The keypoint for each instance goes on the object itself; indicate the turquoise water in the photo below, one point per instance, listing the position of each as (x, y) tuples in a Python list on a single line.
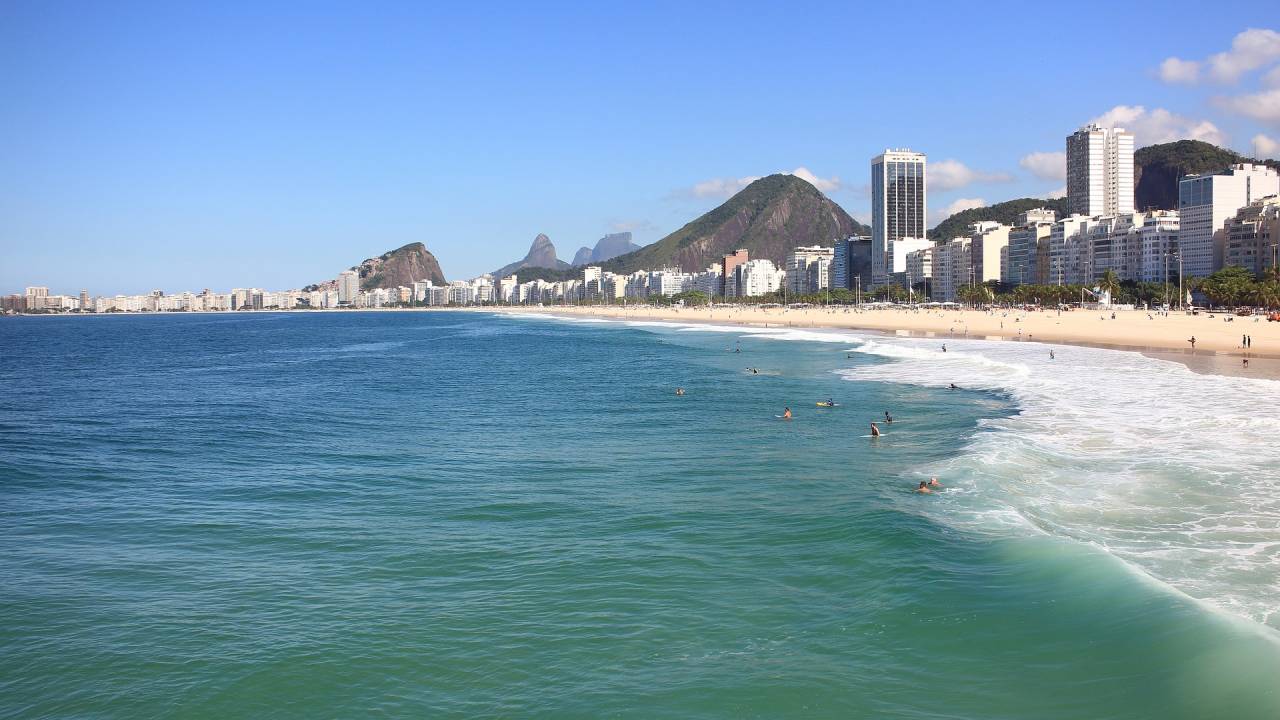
[(461, 515)]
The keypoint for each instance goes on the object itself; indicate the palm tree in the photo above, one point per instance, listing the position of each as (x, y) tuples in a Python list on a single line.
[(1267, 294), (1109, 283)]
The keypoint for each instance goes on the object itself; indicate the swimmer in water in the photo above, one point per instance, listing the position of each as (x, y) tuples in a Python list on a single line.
[(679, 391), (924, 488), (887, 417), (786, 413), (944, 347), (933, 482), (875, 431), (953, 387)]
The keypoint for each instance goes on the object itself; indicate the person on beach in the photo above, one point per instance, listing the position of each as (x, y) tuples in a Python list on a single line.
[(924, 488), (786, 413), (1246, 363)]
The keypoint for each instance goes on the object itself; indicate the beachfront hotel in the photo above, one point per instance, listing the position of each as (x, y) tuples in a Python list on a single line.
[(899, 205)]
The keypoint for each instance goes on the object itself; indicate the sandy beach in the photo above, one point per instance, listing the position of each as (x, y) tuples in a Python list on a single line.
[(1219, 346)]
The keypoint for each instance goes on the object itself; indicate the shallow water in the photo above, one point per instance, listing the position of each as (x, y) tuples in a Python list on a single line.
[(462, 515)]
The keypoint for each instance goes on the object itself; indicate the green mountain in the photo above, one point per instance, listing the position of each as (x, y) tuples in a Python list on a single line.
[(770, 217), (402, 266), (1006, 212), (1157, 169)]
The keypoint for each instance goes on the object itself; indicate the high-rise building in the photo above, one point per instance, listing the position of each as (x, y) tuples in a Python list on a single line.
[(1099, 171), (1204, 204), (728, 271), (348, 286), (898, 205), (851, 263), (84, 301)]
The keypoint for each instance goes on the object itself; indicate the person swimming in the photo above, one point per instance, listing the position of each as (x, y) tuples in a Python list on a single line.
[(875, 431), (786, 413), (887, 417), (679, 391), (924, 488), (944, 347), (933, 482), (953, 387)]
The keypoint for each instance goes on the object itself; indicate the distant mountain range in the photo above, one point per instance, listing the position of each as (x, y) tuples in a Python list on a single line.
[(608, 247), (769, 218), (542, 253)]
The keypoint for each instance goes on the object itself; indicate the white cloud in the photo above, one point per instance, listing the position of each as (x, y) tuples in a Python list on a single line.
[(937, 215), (1266, 147), (1250, 50), (1058, 193), (1159, 125), (953, 174), (1046, 165), (1263, 106), (1272, 78), (1175, 70), (727, 187)]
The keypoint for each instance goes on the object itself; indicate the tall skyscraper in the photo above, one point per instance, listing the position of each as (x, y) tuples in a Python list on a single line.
[(1099, 171), (898, 205), (1204, 204), (348, 286)]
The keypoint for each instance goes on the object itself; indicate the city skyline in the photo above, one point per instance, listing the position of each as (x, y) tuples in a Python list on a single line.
[(272, 166)]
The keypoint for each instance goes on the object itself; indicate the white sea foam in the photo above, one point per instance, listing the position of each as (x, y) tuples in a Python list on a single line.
[(1175, 473)]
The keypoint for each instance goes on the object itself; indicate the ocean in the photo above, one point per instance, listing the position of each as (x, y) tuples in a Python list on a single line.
[(449, 514)]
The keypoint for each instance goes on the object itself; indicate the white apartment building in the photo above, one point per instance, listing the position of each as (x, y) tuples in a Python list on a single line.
[(990, 244), (952, 268), (1069, 250), (1160, 232), (899, 205), (920, 267), (808, 269), (1205, 202), (896, 260), (759, 277), (1026, 243), (1252, 236), (1100, 171)]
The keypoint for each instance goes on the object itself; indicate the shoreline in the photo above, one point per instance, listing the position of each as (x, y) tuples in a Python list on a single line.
[(1218, 348)]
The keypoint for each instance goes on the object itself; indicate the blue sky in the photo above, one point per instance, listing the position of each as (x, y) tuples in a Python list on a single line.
[(183, 146)]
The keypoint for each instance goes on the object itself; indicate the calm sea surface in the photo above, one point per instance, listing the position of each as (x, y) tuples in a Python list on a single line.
[(461, 515)]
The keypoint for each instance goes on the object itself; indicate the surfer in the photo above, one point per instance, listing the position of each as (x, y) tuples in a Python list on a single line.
[(924, 488), (953, 387), (887, 417), (786, 413), (679, 391), (1193, 342), (944, 347), (1050, 354), (875, 431)]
